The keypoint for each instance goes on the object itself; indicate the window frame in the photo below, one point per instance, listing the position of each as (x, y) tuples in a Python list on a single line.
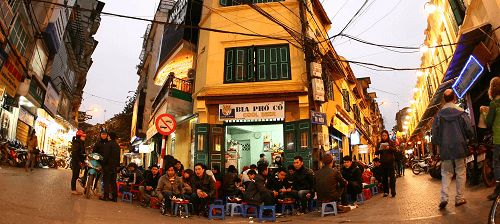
[(347, 102), (15, 36)]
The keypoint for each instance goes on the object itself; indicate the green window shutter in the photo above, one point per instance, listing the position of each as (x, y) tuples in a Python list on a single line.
[(261, 64), (273, 63), (250, 67), (284, 63), (240, 65), (223, 2), (458, 8), (229, 69)]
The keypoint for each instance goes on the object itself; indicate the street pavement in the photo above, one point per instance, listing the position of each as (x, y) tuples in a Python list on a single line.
[(44, 197)]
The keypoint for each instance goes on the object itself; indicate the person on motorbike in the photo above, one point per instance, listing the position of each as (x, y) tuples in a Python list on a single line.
[(101, 148), (78, 149), (492, 120), (32, 144)]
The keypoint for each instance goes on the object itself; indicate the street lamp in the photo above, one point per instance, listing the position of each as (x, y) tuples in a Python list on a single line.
[(430, 8), (415, 89), (95, 110), (386, 102), (412, 101), (409, 110), (419, 73), (407, 117), (424, 48)]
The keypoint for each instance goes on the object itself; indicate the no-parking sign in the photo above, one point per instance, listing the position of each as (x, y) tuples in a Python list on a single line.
[(165, 124)]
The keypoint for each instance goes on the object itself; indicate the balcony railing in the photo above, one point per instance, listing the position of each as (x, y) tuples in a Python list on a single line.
[(174, 85)]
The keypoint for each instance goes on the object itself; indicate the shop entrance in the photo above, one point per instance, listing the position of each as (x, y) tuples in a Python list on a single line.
[(240, 144)]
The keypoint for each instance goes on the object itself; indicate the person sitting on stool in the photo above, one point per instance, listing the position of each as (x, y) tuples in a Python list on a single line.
[(256, 192), (279, 184), (303, 183), (330, 185), (203, 187), (353, 175)]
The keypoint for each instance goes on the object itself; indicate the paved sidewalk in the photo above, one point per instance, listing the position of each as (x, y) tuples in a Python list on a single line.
[(44, 197)]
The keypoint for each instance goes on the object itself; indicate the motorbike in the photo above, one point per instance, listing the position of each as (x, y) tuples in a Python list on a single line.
[(421, 165), (485, 160), (93, 167), (5, 154)]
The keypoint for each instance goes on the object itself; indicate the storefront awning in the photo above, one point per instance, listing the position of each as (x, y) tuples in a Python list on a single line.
[(468, 40)]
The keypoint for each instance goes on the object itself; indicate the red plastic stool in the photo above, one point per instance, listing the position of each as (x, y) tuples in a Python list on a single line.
[(155, 202), (368, 193)]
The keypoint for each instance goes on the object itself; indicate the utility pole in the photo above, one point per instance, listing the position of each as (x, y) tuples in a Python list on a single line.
[(317, 132)]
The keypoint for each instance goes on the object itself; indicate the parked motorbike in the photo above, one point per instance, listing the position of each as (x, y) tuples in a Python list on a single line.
[(421, 165), (4, 152), (485, 160), (94, 166)]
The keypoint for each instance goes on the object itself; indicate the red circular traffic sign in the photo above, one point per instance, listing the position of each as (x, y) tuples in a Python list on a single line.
[(165, 124)]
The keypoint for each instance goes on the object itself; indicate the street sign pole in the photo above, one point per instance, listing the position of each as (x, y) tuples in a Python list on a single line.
[(166, 125)]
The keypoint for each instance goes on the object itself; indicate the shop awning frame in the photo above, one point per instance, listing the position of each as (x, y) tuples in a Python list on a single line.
[(468, 40)]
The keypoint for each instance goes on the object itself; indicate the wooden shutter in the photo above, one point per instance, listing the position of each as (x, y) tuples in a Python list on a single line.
[(250, 64), (229, 68), (262, 66), (458, 8), (241, 62), (284, 65), (223, 2)]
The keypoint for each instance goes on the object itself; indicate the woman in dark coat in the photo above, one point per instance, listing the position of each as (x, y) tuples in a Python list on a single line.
[(386, 149)]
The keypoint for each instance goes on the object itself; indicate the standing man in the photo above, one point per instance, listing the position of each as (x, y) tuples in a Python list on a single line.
[(77, 151), (110, 163), (262, 160), (330, 185), (451, 129), (303, 183)]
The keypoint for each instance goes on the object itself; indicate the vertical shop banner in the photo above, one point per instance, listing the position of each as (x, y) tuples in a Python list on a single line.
[(63, 105), (51, 100), (252, 111), (26, 117), (10, 77), (36, 91)]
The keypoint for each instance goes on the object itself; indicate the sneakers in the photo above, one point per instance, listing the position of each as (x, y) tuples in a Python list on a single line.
[(76, 193), (443, 204), (386, 194), (461, 202), (493, 196)]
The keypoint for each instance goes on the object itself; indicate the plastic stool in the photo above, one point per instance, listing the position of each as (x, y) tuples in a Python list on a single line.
[(368, 193), (212, 209), (361, 198), (324, 210), (154, 201), (179, 205), (236, 209), (246, 213), (312, 204), (374, 190), (286, 204), (218, 202), (267, 207), (131, 197), (229, 205)]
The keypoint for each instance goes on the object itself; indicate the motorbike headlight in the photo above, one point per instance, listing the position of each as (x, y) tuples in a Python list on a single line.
[(96, 157)]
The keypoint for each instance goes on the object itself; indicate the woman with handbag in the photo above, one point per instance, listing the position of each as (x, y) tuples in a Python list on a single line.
[(32, 150)]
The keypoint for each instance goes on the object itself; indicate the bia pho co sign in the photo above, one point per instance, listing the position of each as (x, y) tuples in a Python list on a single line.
[(251, 111)]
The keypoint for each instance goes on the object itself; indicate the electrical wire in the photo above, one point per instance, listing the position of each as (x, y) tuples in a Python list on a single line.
[(112, 101), (352, 19)]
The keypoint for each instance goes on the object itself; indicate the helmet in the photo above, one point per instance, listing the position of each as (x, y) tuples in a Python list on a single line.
[(80, 133), (104, 130)]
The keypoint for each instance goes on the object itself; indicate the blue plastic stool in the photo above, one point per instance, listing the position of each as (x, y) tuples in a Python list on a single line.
[(374, 190), (229, 206), (313, 204), (267, 207), (131, 197), (178, 206), (218, 202), (211, 211), (284, 210), (324, 208), (361, 198), (246, 213), (236, 209)]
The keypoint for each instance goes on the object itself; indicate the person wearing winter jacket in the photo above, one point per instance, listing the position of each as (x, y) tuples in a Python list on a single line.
[(77, 158), (150, 184), (451, 129), (386, 149), (352, 174), (398, 158), (229, 184), (256, 192), (303, 183), (169, 185), (203, 186), (492, 119)]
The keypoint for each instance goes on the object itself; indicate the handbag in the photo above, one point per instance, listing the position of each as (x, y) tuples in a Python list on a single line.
[(36, 151)]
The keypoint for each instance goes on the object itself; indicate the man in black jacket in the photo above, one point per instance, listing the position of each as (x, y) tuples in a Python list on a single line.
[(77, 151), (303, 183), (279, 184), (229, 184), (110, 163), (256, 192), (352, 174), (203, 187), (150, 184), (99, 147), (376, 170), (330, 185)]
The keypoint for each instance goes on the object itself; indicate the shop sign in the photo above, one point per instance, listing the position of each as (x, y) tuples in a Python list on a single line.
[(151, 132), (355, 140), (51, 100), (469, 74), (36, 91), (10, 77), (340, 126), (63, 106), (318, 118), (26, 117), (13, 102), (252, 111)]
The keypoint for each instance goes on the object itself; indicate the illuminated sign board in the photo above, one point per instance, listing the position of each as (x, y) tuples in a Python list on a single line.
[(355, 140), (469, 74), (179, 67)]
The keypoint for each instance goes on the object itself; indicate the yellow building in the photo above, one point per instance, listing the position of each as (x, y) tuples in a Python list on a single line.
[(465, 33)]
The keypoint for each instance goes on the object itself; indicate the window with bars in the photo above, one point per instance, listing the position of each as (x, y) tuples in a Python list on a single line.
[(430, 87), (241, 2), (347, 101), (14, 5), (458, 10), (18, 37), (257, 63), (357, 113), (328, 87)]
